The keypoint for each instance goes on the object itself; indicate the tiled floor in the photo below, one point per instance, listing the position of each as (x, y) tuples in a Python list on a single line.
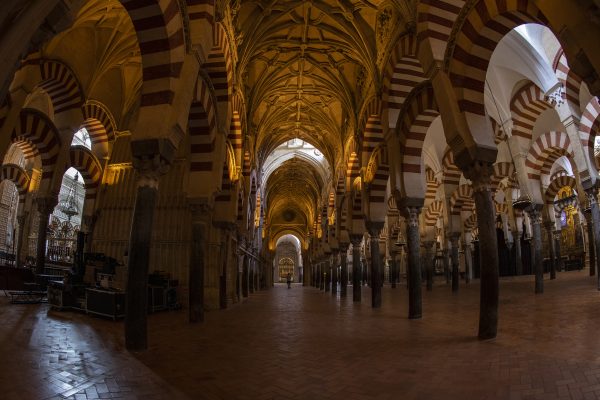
[(305, 344)]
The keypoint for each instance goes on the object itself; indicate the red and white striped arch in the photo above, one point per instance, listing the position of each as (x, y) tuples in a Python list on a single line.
[(558, 183), (159, 28), (99, 122), (36, 134), (82, 159), (220, 66), (451, 172), (545, 151), (202, 128), (570, 81), (589, 126), (435, 20), (470, 222), (433, 213), (403, 73), (235, 137), (469, 54), (432, 185), (461, 199), (526, 107), (352, 169), (18, 176), (61, 85), (502, 170)]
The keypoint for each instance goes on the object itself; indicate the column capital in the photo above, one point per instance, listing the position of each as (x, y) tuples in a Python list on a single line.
[(356, 239), (151, 159), (454, 238), (199, 207), (45, 204), (428, 244), (412, 216), (535, 213), (480, 174), (374, 228)]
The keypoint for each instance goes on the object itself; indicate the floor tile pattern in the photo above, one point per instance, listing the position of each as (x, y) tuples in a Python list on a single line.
[(301, 343)]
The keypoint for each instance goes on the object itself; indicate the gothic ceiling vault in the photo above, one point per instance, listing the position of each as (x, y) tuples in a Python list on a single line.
[(308, 68)]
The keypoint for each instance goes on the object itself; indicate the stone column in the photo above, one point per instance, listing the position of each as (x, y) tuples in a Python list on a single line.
[(328, 268), (45, 206), (413, 247), (591, 244), (394, 272), (518, 256), (592, 194), (468, 261), (334, 273), (479, 173), (535, 216), (374, 229), (556, 238), (21, 220), (454, 237), (343, 270), (89, 222), (198, 209), (429, 261), (356, 272), (549, 225), (151, 159)]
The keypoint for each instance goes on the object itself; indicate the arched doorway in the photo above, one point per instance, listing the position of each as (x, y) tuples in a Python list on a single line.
[(287, 259)]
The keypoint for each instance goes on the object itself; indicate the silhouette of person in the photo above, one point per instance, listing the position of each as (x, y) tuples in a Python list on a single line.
[(289, 280)]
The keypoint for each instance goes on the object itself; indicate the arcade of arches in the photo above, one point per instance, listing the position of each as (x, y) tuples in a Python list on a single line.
[(347, 143)]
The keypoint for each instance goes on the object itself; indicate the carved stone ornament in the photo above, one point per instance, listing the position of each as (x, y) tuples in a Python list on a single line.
[(151, 159), (412, 216), (480, 173)]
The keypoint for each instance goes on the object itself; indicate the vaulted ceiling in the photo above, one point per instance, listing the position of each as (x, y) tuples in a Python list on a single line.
[(307, 67)]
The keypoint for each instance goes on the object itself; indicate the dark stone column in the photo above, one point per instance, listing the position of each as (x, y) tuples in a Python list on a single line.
[(454, 237), (356, 271), (518, 256), (21, 220), (343, 270), (468, 262), (394, 272), (479, 173), (559, 264), (334, 273), (327, 269), (549, 225), (306, 269), (89, 223), (374, 229), (198, 209), (151, 159), (413, 248), (45, 206), (535, 216), (591, 244), (595, 211), (429, 261)]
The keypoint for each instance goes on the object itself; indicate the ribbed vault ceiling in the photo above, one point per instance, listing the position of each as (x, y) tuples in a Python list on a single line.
[(306, 67)]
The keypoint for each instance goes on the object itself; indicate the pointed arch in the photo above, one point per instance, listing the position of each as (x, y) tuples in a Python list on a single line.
[(202, 129)]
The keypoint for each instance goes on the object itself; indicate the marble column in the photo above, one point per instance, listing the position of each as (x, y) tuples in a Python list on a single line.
[(374, 229), (198, 210), (21, 221), (592, 195), (89, 222), (151, 159), (45, 206), (413, 247), (328, 268), (468, 261), (535, 216), (356, 271), (454, 237), (549, 225), (591, 243), (343, 270), (480, 173), (429, 261), (518, 257)]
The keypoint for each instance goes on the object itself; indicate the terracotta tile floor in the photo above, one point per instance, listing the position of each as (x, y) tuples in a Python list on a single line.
[(305, 344)]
